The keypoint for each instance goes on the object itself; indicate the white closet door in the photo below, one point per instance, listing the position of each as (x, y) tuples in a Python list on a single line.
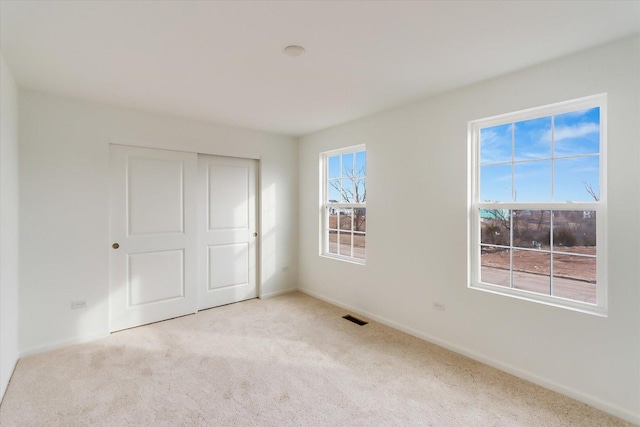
[(227, 239), (153, 257)]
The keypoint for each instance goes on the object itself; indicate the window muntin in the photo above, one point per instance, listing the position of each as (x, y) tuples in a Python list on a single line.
[(344, 196), (538, 205)]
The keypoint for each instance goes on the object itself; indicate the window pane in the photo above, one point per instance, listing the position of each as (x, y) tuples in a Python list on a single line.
[(334, 167), (345, 188), (361, 163), (360, 219), (574, 277), (577, 179), (531, 229), (577, 132), (495, 183), (345, 243), (358, 245), (347, 191), (361, 191), (495, 144), (333, 242), (347, 165), (530, 161), (531, 271), (532, 139), (574, 231), (345, 219), (332, 218), (494, 226), (533, 181), (334, 191), (494, 266)]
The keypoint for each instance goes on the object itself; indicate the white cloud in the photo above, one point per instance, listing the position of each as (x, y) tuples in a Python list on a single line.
[(582, 129), (496, 146), (590, 170)]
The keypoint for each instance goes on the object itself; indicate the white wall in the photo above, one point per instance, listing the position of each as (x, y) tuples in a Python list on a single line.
[(417, 242), (8, 225), (64, 160)]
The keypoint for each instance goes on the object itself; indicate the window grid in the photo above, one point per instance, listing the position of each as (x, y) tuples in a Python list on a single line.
[(555, 255), (339, 240)]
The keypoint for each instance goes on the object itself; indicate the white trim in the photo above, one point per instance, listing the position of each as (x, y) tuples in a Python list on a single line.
[(178, 145), (609, 407), (599, 100), (277, 293), (345, 150), (352, 260), (541, 298), (324, 205), (541, 206), (64, 343), (3, 391), (600, 207)]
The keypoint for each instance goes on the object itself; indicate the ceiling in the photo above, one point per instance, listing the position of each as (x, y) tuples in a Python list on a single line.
[(224, 61)]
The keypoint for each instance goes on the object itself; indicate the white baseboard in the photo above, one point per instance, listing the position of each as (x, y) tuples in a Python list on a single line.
[(4, 387), (60, 344), (277, 293), (520, 373)]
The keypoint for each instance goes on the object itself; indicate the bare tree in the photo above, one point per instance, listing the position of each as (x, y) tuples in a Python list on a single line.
[(354, 193), (591, 191), (501, 216), (496, 226)]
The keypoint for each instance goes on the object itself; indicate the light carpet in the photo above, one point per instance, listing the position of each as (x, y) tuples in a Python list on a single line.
[(285, 361)]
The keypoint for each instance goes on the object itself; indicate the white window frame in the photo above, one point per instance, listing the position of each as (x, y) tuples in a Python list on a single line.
[(600, 207), (325, 205)]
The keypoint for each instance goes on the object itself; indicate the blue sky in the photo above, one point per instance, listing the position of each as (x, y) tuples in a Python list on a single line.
[(520, 155), (341, 170)]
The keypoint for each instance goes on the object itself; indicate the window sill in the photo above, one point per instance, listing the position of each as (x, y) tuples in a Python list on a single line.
[(552, 301), (350, 260)]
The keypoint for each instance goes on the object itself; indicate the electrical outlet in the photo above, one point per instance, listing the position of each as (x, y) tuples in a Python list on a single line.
[(438, 306), (78, 304)]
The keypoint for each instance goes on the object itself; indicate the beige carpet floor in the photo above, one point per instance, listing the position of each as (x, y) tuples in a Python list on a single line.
[(290, 360)]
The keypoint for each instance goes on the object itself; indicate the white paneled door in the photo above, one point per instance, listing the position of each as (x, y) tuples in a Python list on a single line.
[(183, 234), (227, 224), (153, 254)]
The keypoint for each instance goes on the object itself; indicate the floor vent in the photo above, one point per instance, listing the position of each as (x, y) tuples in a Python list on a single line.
[(355, 320)]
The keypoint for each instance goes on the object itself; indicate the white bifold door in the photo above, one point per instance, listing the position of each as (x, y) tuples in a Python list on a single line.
[(182, 234)]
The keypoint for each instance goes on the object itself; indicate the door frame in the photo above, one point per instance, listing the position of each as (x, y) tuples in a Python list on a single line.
[(170, 147)]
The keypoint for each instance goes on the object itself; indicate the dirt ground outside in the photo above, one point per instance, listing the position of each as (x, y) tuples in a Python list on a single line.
[(574, 277), (564, 265), (345, 226), (345, 244)]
